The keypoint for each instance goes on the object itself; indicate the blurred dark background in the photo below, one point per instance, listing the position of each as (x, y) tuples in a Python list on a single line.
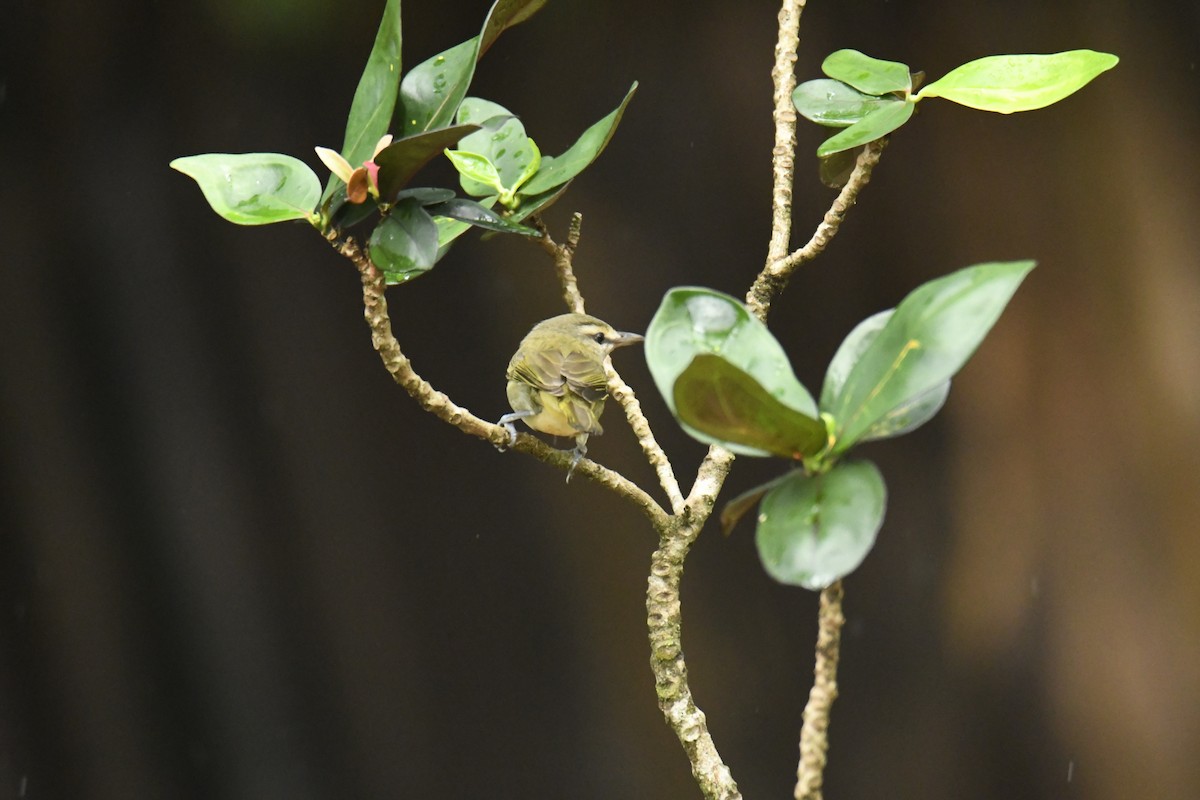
[(236, 561)]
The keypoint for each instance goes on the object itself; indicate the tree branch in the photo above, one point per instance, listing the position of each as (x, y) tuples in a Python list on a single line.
[(400, 368), (814, 735), (623, 394), (563, 259), (771, 282)]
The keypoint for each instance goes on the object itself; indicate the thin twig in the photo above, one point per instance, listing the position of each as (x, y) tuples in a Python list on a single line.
[(774, 277), (564, 255), (400, 368), (814, 736), (623, 394)]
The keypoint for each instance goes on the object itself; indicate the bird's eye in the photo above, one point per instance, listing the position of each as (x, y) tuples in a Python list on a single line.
[(599, 337)]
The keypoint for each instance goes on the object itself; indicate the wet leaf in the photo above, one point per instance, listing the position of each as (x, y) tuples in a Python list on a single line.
[(405, 244), (254, 188), (834, 104), (814, 530)]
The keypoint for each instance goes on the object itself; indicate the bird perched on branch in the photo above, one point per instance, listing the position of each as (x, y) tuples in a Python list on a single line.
[(556, 379)]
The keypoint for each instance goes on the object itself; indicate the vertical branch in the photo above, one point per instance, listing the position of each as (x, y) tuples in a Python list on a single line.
[(814, 735), (564, 255), (783, 156)]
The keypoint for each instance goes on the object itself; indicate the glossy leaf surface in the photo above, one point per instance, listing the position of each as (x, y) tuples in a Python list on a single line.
[(875, 125), (557, 170), (726, 403), (834, 104), (404, 245), (400, 161), (254, 188), (868, 75), (431, 92), (692, 321), (932, 333), (480, 216), (1007, 84), (375, 97), (814, 530), (502, 141), (904, 418)]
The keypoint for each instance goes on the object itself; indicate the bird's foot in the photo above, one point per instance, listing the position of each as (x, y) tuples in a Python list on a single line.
[(577, 454), (507, 421)]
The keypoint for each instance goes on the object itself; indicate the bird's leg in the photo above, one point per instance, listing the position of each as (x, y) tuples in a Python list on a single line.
[(507, 421), (578, 453)]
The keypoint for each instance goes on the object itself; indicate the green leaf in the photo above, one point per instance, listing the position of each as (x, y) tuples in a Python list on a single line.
[(737, 508), (375, 97), (431, 91), (400, 161), (557, 170), (450, 229), (720, 400), (477, 169), (1007, 84), (835, 169), (404, 245), (475, 214), (834, 104), (907, 416), (932, 333), (875, 125), (531, 205), (814, 530), (426, 195), (691, 321), (502, 140), (254, 188), (503, 15), (868, 75)]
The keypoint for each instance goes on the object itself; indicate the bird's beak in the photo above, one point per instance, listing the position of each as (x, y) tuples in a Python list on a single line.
[(628, 338)]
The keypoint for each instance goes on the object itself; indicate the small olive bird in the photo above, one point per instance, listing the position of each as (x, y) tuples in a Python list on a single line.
[(556, 380)]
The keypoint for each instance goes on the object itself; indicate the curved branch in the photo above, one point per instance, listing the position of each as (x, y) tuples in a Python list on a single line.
[(440, 405), (623, 394), (564, 255), (774, 277)]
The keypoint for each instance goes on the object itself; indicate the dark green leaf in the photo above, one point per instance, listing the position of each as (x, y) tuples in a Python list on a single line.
[(815, 530), (557, 170), (404, 245), (473, 213), (835, 169), (400, 161), (875, 125), (426, 196), (344, 214), (869, 75), (691, 321), (834, 104), (736, 508), (720, 400), (450, 229), (921, 346), (375, 98), (1007, 84), (431, 91), (537, 203), (503, 15), (254, 188)]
